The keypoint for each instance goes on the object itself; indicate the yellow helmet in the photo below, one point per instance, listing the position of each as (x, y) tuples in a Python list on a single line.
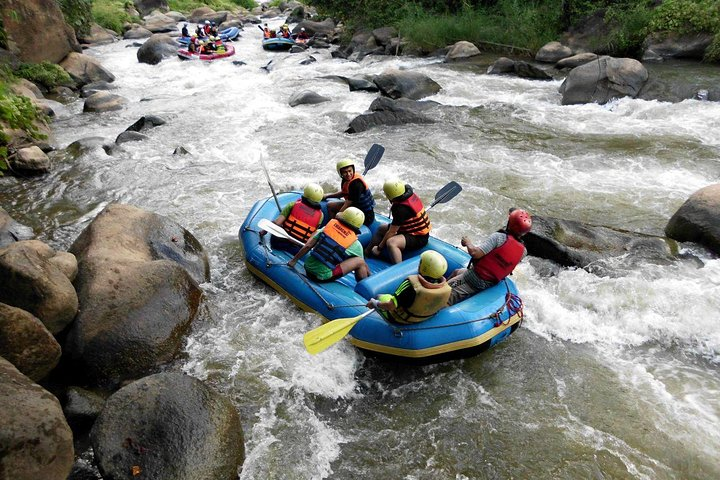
[(313, 192), (352, 216), (393, 188), (432, 264), (345, 162)]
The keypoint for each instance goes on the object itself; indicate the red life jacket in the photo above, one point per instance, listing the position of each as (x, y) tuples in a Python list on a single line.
[(302, 221), (501, 261), (420, 223)]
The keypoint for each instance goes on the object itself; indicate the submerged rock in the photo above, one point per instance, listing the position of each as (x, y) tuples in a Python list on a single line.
[(306, 97)]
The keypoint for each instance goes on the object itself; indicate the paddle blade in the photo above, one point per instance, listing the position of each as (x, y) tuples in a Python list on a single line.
[(373, 157), (447, 193), (276, 230), (320, 338)]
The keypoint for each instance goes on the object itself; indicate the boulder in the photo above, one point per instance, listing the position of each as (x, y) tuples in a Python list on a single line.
[(405, 84), (159, 23), (601, 81), (130, 136), (384, 35), (36, 30), (698, 219), (137, 33), (12, 231), (326, 27), (94, 87), (461, 50), (35, 440), (306, 97), (145, 122), (199, 14), (84, 69), (156, 48), (576, 60), (103, 102), (574, 244), (171, 426), (147, 6), (82, 407), (553, 52), (35, 284), (385, 111), (30, 161), (26, 343), (660, 46), (98, 36), (138, 289)]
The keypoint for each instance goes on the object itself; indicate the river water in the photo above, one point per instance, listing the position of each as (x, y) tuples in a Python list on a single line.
[(611, 376)]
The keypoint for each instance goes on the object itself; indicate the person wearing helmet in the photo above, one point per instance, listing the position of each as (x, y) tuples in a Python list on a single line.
[(354, 190), (300, 219), (184, 31), (266, 31), (200, 31), (335, 249), (494, 259), (206, 28), (418, 297), (214, 29), (410, 226), (284, 31), (302, 36)]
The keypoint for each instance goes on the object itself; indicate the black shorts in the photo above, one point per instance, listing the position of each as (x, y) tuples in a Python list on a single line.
[(414, 242), (369, 218)]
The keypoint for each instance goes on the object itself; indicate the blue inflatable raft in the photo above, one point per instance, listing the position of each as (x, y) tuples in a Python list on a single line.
[(462, 330), (278, 43), (228, 34)]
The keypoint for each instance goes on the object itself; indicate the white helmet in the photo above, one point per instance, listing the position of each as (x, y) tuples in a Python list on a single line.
[(302, 29)]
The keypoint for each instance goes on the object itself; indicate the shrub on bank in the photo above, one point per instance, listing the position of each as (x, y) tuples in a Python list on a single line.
[(111, 14), (78, 14), (217, 5), (47, 74)]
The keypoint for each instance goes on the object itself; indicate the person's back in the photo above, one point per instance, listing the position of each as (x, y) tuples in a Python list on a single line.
[(420, 296)]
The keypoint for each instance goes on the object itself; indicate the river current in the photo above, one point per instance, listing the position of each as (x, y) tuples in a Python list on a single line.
[(610, 376)]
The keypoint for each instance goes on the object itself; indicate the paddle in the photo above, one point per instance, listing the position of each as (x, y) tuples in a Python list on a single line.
[(320, 338), (373, 157), (277, 231), (272, 189), (447, 193)]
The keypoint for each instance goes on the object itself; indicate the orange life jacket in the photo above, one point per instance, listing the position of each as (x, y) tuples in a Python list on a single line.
[(335, 238), (366, 202), (420, 223), (302, 221)]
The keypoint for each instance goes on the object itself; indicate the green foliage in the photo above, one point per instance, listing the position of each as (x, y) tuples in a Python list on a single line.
[(628, 28), (217, 5), (508, 22), (16, 111), (687, 16), (111, 14), (712, 54), (47, 74), (78, 14)]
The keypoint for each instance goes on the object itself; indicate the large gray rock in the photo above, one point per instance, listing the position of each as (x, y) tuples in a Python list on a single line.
[(36, 30), (156, 48), (576, 60), (26, 343), (401, 83), (698, 219), (35, 440), (306, 97), (603, 80), (82, 407), (385, 111), (137, 33), (12, 231), (102, 101), (575, 244), (98, 36), (506, 66), (138, 288), (31, 281), (326, 27), (30, 161), (661, 46), (147, 6), (462, 50), (159, 23), (84, 69), (173, 427), (553, 52)]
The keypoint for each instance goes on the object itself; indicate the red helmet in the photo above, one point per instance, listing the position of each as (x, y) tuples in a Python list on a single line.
[(519, 222)]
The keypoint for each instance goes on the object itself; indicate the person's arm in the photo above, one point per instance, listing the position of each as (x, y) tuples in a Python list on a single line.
[(475, 252), (333, 195), (306, 248), (346, 204), (388, 305)]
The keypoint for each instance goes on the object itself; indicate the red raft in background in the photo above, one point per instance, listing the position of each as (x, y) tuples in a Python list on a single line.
[(188, 55)]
